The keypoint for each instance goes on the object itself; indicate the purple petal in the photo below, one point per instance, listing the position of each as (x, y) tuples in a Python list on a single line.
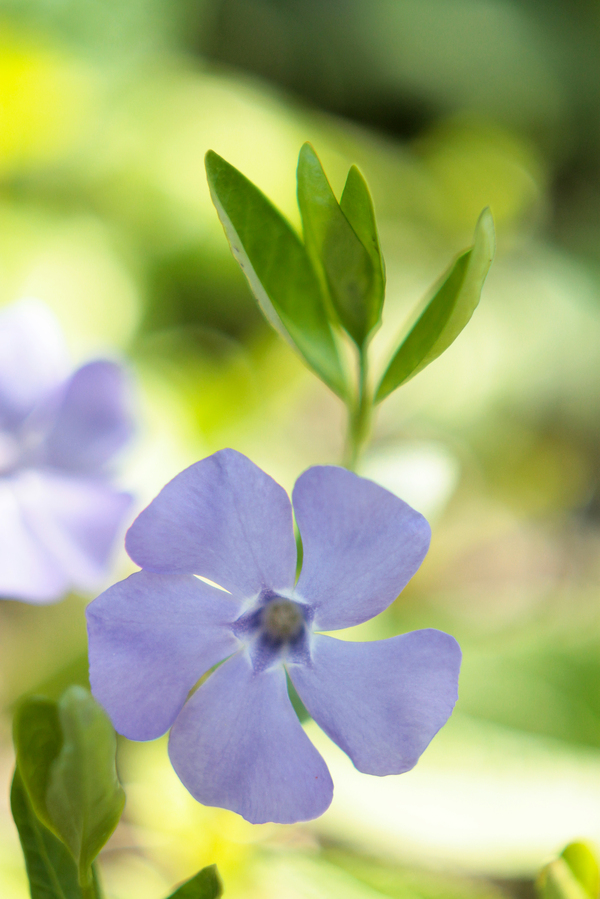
[(151, 637), (238, 744), (33, 358), (27, 570), (75, 520), (361, 545), (381, 702), (92, 421), (224, 519)]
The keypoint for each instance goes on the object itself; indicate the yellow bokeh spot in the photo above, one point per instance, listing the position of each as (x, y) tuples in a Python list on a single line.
[(472, 164), (45, 101)]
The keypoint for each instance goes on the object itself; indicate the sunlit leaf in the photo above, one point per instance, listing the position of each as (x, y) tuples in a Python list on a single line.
[(557, 881), (335, 247), (277, 267), (446, 313), (357, 205), (583, 862), (66, 757), (50, 867), (205, 885)]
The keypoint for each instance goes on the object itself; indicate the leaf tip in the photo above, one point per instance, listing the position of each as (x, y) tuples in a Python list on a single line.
[(211, 161), (307, 158), (485, 231), (307, 149)]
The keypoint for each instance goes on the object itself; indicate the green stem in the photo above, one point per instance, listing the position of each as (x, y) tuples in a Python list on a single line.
[(92, 890), (359, 415)]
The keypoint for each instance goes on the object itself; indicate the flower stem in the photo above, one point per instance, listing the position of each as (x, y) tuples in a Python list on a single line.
[(92, 889), (359, 415), (89, 892)]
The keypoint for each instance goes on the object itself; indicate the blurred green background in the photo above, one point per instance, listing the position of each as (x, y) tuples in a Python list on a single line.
[(106, 111)]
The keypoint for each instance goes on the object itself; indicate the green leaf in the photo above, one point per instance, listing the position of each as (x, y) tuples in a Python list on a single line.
[(50, 868), (297, 704), (38, 739), (84, 797), (446, 314), (336, 249), (277, 267), (357, 205), (205, 885), (583, 863), (66, 757)]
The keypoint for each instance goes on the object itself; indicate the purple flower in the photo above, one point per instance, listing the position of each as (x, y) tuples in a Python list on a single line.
[(236, 742), (59, 513)]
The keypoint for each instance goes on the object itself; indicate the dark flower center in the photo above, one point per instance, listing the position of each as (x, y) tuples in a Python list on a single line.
[(282, 620)]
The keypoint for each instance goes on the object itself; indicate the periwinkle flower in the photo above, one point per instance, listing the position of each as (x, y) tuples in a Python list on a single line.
[(59, 513), (236, 741)]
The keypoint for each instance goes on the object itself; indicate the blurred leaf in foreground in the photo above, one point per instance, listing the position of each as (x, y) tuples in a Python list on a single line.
[(51, 870), (66, 758), (446, 314)]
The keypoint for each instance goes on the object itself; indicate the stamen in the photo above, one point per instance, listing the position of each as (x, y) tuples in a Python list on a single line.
[(282, 620)]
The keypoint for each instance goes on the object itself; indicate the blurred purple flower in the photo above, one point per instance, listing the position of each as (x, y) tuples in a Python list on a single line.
[(237, 742), (59, 514)]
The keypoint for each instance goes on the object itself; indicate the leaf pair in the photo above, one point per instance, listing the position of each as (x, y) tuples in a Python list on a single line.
[(342, 242), (66, 799), (334, 278), (65, 791)]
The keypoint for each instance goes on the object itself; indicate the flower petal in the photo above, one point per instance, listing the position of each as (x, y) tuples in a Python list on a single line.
[(92, 421), (381, 702), (238, 744), (361, 545), (33, 358), (151, 637), (224, 519), (27, 570), (74, 519)]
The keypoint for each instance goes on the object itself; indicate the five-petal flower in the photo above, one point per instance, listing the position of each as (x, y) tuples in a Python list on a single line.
[(59, 513), (236, 742)]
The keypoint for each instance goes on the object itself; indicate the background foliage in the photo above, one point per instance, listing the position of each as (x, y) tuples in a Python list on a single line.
[(106, 111)]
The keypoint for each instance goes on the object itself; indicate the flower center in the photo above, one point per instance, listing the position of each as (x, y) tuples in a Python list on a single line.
[(282, 620)]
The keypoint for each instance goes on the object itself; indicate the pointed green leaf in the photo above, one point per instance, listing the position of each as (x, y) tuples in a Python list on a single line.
[(50, 867), (66, 758), (277, 267), (357, 205), (583, 863), (205, 885), (446, 314), (336, 249)]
